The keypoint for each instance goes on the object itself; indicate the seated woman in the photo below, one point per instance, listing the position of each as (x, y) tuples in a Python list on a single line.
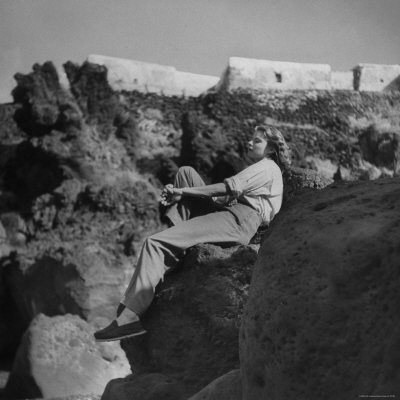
[(197, 215)]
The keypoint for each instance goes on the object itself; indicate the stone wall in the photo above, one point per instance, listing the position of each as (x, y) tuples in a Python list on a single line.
[(152, 78), (247, 73), (342, 80), (376, 77)]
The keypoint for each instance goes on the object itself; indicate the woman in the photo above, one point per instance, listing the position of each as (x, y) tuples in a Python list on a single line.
[(226, 213)]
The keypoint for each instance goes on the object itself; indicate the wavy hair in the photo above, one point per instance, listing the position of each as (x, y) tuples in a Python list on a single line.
[(277, 148)]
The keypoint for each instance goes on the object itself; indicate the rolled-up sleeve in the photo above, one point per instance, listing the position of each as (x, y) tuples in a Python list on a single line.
[(249, 180), (233, 186)]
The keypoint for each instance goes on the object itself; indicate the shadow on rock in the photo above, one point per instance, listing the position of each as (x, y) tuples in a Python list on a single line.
[(193, 324)]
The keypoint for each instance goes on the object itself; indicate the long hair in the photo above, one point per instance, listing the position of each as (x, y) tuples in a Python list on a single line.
[(277, 148)]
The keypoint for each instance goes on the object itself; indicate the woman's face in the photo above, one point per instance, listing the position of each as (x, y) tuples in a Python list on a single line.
[(257, 146)]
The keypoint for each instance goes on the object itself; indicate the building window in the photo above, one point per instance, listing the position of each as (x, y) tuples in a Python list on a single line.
[(278, 77)]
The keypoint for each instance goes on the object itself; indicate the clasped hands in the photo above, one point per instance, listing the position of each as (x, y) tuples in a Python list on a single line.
[(170, 195)]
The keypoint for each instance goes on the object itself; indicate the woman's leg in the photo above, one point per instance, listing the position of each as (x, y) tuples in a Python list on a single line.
[(161, 251), (188, 207), (185, 209), (128, 313)]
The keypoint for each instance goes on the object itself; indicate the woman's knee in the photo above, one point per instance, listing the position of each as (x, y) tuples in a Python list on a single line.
[(156, 239), (186, 170), (187, 176), (150, 240)]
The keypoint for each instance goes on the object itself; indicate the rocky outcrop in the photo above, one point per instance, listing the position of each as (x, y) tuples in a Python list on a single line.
[(226, 387), (79, 185), (193, 324), (45, 104), (83, 252), (73, 209), (58, 357), (322, 318), (153, 386), (381, 147)]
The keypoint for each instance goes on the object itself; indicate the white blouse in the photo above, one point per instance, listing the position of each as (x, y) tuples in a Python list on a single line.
[(260, 186)]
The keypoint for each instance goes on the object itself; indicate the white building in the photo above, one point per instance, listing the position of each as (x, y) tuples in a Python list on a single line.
[(376, 77), (152, 78), (248, 73)]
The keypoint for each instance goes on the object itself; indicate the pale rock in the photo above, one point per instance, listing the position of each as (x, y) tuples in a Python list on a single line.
[(82, 278), (58, 357), (5, 247), (370, 172), (325, 167)]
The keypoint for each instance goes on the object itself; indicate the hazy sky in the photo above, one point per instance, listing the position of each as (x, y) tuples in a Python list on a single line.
[(197, 35)]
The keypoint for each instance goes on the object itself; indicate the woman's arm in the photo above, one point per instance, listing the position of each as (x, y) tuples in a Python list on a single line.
[(217, 189), (172, 195)]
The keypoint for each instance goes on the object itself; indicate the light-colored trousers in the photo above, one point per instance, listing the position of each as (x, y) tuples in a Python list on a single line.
[(195, 221)]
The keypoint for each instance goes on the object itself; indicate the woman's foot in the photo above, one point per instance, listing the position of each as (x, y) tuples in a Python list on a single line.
[(126, 325), (127, 316)]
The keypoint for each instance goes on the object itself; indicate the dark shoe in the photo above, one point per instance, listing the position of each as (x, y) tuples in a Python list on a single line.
[(118, 332)]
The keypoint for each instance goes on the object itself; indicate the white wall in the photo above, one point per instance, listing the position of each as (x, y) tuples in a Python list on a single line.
[(152, 78), (376, 77), (342, 80), (250, 73), (245, 73)]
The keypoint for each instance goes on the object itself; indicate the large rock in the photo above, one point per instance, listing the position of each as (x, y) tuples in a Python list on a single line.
[(226, 387), (45, 105), (82, 279), (96, 98), (58, 357), (84, 250), (193, 324), (381, 147), (322, 317), (153, 386)]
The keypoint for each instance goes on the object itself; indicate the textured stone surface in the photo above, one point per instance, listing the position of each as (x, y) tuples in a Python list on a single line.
[(83, 279), (58, 357), (193, 325), (45, 104), (153, 386), (86, 239), (322, 318), (226, 387), (381, 147)]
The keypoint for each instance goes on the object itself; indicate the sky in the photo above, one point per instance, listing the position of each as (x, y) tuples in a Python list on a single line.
[(196, 36)]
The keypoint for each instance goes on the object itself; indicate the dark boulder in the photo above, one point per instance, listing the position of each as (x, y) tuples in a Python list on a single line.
[(193, 324), (322, 318)]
